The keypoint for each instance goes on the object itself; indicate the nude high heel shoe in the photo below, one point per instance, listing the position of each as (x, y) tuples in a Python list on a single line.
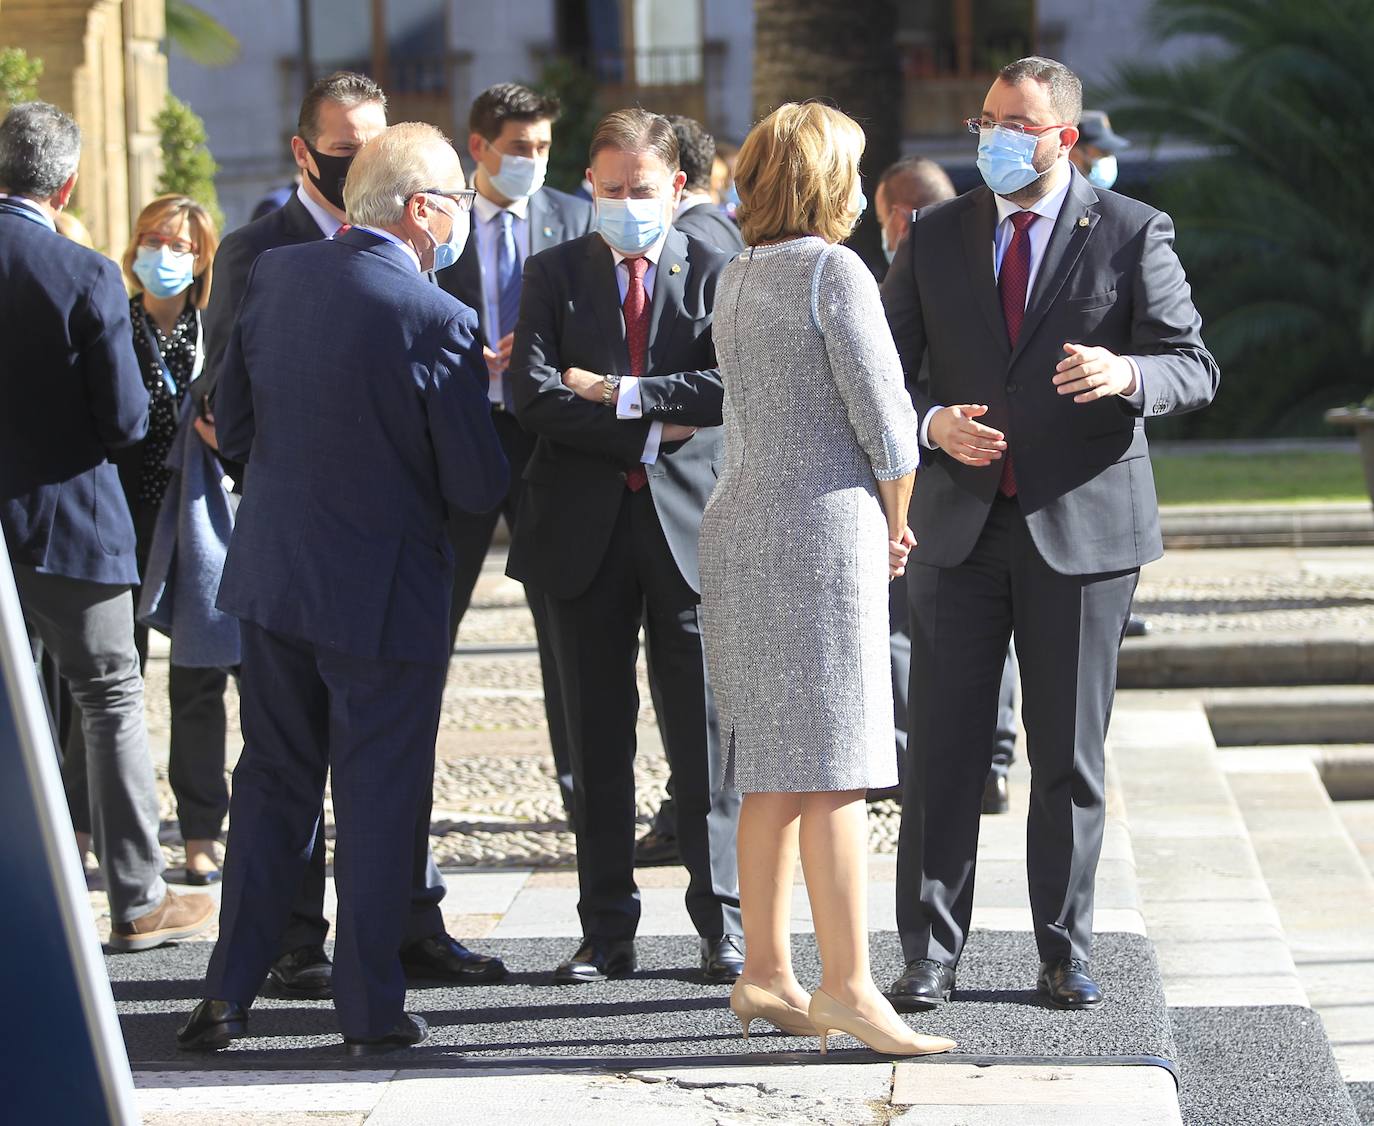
[(750, 1003), (828, 1016)]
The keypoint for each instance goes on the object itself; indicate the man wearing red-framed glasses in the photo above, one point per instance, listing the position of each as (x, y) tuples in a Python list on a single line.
[(1054, 317)]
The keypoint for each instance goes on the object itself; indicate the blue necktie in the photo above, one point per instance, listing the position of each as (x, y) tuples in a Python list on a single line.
[(507, 276)]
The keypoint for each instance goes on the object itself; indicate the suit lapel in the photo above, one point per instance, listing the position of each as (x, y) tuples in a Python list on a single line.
[(298, 221), (605, 299), (979, 225), (670, 281), (1077, 219), (546, 225)]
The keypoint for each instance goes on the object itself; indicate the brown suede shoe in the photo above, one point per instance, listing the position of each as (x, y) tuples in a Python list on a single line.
[(177, 916)]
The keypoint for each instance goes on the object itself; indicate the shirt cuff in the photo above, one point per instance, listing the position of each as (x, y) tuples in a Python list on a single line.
[(651, 444), (496, 388), (925, 427), (628, 405), (1135, 397)]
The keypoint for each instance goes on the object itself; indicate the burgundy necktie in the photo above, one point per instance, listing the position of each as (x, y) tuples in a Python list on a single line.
[(636, 309), (1012, 282)]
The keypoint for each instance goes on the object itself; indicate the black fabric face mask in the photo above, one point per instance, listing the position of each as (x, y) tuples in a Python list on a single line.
[(333, 173)]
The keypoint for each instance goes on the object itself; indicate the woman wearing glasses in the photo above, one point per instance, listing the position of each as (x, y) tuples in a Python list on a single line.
[(168, 267)]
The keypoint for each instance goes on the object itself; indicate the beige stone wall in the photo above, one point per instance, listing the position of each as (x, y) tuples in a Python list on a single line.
[(102, 64)]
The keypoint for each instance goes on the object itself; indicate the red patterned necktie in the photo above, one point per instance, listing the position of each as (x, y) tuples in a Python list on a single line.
[(1012, 282), (636, 309)]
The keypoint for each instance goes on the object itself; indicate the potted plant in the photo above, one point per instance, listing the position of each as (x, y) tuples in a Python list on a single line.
[(1360, 416)]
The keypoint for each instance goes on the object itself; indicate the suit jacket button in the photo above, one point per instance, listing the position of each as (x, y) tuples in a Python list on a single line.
[(1012, 388)]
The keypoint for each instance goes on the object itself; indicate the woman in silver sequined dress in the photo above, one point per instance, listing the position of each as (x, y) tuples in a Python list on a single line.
[(805, 529)]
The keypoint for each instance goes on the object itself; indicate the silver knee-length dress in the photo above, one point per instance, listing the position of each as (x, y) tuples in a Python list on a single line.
[(794, 541)]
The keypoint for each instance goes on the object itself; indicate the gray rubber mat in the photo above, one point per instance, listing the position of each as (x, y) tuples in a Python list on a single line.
[(1258, 1066), (664, 1011)]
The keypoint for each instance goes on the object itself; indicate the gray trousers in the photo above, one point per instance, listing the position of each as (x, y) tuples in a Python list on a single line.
[(89, 630), (1068, 630)]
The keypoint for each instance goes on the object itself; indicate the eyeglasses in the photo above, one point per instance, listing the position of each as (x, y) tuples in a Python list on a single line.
[(976, 125), (178, 246), (463, 197)]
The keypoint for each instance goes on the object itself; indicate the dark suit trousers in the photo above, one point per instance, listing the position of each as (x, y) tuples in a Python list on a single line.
[(1068, 633), (370, 725), (899, 644), (596, 636), (470, 534)]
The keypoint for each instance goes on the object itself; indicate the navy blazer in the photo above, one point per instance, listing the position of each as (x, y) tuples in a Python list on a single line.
[(553, 217), (355, 391), (288, 225), (72, 393), (709, 223), (570, 316), (1109, 278)]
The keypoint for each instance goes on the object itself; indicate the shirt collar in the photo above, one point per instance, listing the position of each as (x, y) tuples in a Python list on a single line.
[(25, 202), (691, 200), (487, 211), (328, 224), (410, 250), (1047, 207), (653, 254)]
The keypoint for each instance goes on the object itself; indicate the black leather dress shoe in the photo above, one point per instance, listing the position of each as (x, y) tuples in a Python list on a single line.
[(654, 850), (597, 959), (995, 797), (1066, 985), (445, 958), (303, 974), (722, 959), (924, 984), (212, 1025), (1136, 626), (409, 1031)]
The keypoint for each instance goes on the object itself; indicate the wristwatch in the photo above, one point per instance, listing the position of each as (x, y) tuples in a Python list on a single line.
[(608, 385)]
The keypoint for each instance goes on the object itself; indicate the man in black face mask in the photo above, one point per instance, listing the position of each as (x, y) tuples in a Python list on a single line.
[(339, 115)]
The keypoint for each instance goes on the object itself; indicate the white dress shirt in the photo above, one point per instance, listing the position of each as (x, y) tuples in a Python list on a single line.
[(628, 406), (1048, 208), (487, 230), (328, 224)]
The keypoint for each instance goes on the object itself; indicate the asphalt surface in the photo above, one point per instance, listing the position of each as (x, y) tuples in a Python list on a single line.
[(1259, 1066), (663, 1011)]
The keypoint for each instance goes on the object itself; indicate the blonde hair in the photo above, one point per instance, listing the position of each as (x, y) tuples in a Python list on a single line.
[(169, 210), (796, 172), (395, 165)]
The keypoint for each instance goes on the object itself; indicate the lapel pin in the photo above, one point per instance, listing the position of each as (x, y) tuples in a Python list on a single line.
[(548, 232), (1083, 222), (674, 269)]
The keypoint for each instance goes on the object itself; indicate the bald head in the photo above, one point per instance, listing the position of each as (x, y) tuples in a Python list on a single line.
[(395, 165)]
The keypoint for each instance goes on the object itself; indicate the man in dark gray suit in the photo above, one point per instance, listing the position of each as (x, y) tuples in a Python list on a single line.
[(510, 133), (615, 371), (1055, 318), (698, 214)]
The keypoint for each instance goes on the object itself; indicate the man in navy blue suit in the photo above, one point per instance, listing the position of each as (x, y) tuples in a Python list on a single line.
[(355, 392), (70, 394)]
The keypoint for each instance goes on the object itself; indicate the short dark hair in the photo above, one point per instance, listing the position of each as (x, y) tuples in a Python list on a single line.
[(916, 182), (509, 101), (40, 147), (1064, 87), (346, 87), (636, 130), (696, 152)]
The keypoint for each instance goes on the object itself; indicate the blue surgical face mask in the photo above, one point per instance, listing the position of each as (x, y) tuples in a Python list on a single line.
[(519, 176), (448, 252), (889, 252), (630, 226), (1006, 159), (1102, 173), (162, 273)]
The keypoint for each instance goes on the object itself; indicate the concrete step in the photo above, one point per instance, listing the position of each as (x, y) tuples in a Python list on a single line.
[(1358, 819), (1249, 658), (1267, 525), (1321, 887), (1334, 713)]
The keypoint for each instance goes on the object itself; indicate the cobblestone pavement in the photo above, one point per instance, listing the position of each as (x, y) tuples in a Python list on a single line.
[(496, 803)]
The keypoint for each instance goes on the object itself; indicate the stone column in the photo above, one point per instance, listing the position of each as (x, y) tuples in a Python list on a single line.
[(145, 91)]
